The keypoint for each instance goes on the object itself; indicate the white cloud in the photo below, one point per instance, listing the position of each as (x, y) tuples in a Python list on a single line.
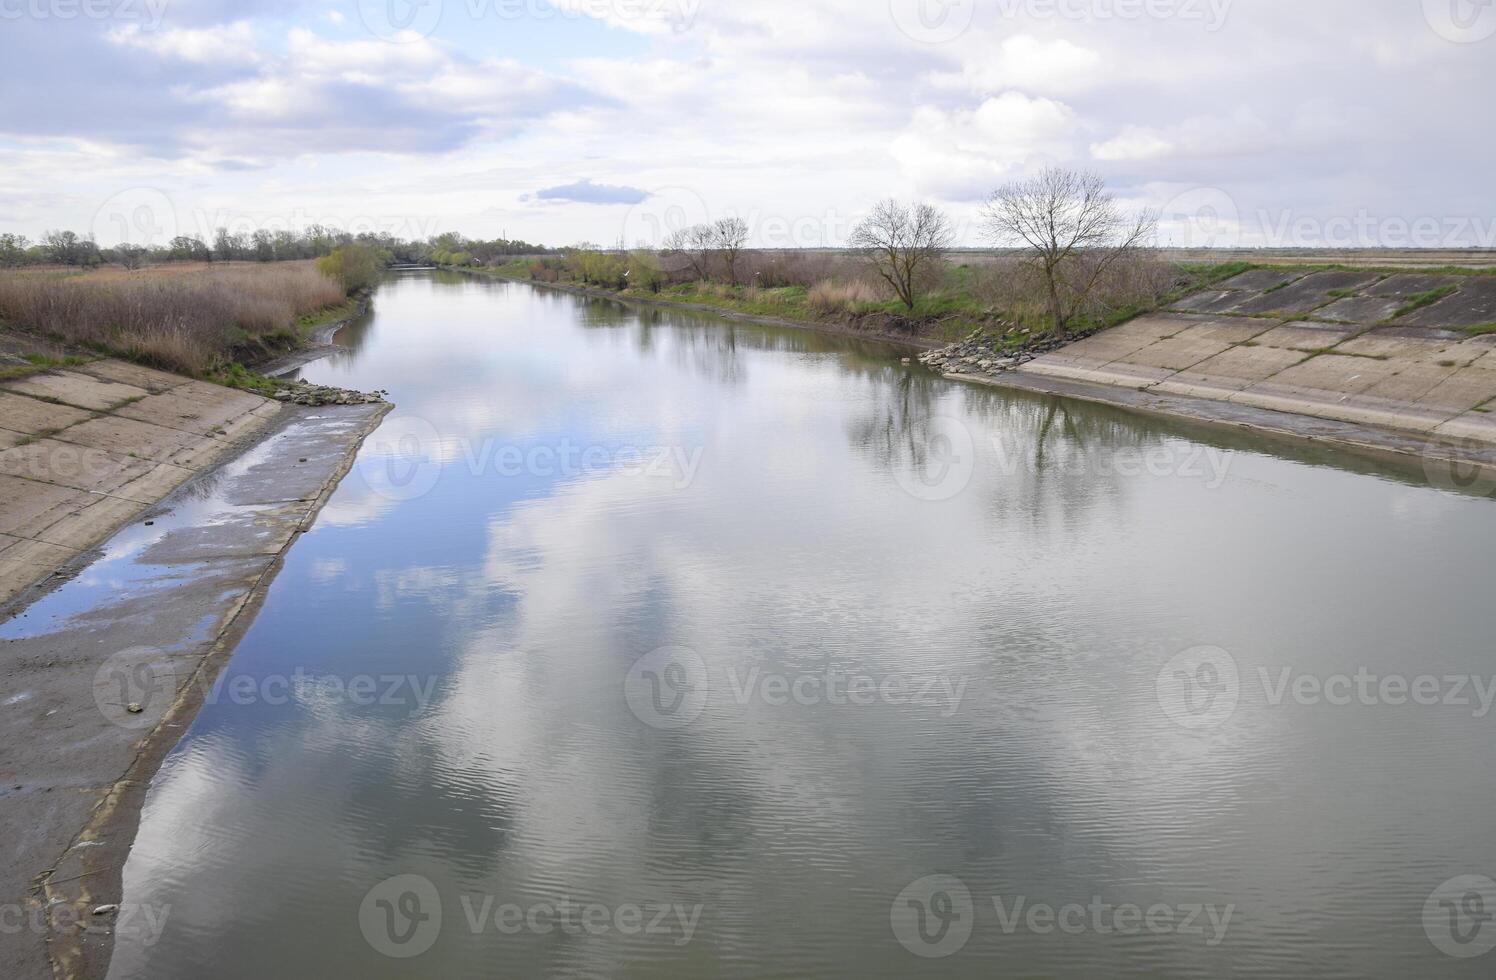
[(963, 154), (229, 44), (1024, 61), (787, 108)]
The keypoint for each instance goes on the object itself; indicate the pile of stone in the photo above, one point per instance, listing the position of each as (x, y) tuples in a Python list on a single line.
[(985, 354), (304, 393)]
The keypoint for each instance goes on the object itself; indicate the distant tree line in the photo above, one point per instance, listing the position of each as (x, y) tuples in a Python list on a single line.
[(69, 248), (1070, 232)]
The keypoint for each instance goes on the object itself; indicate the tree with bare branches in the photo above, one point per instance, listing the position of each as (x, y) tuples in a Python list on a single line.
[(905, 244), (729, 236), (695, 244), (1073, 230)]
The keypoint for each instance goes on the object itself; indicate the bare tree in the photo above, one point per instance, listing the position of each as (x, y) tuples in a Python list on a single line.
[(1073, 230), (905, 245), (695, 244), (729, 236)]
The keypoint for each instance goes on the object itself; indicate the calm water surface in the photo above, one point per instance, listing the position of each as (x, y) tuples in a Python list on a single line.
[(935, 680)]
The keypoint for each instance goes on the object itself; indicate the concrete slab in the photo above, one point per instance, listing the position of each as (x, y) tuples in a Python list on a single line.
[(160, 480), (1399, 345), (1306, 335), (76, 467), (89, 520), (1472, 426), (78, 390), (1411, 382), (31, 416), (30, 552), (1481, 351), (1261, 280), (1410, 284), (194, 407), (1239, 367), (1334, 373), (1473, 305), (1360, 309), (1131, 375), (1174, 353), (1212, 301), (1109, 346), (27, 506), (1154, 327), (145, 441), (1386, 412), (1307, 294), (1462, 390), (9, 438), (1230, 330), (133, 374)]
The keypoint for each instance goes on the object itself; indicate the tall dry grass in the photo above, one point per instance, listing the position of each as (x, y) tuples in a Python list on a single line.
[(191, 317), (829, 296)]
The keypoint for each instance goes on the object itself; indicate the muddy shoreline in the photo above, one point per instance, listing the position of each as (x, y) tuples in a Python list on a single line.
[(319, 344)]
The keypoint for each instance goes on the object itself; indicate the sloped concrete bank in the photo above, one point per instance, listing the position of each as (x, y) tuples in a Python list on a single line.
[(85, 449), (105, 661), (1401, 366)]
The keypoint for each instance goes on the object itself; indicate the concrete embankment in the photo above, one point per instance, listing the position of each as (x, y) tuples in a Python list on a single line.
[(1396, 364), (85, 449), (106, 652), (1329, 345)]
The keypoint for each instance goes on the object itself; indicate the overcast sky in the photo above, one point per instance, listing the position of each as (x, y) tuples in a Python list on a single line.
[(1287, 122)]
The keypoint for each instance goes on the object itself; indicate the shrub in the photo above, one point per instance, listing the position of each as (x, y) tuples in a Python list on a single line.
[(644, 271), (355, 266)]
